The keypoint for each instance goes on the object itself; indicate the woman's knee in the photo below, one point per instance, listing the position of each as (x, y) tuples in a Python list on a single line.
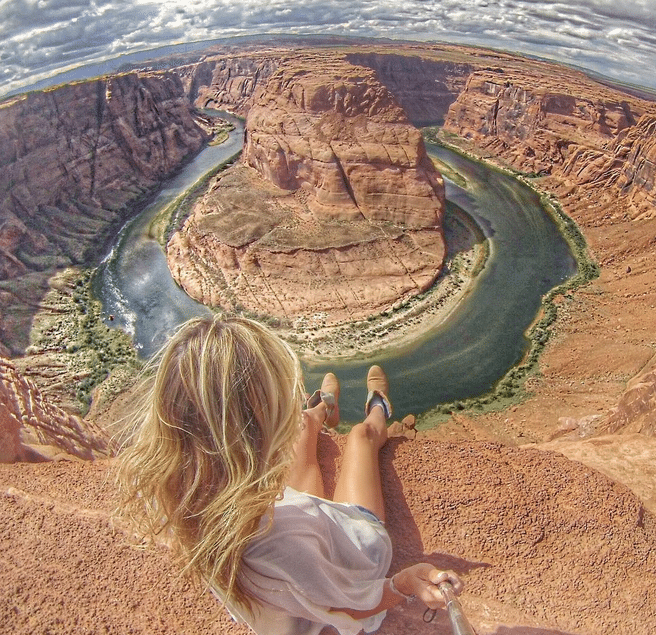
[(363, 432)]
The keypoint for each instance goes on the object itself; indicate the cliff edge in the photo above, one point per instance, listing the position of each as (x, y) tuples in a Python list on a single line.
[(78, 161), (574, 134), (537, 556), (33, 429)]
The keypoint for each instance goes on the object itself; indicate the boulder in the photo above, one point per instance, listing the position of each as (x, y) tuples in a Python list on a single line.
[(33, 429)]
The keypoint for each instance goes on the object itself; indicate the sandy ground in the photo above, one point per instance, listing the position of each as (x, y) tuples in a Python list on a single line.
[(546, 546)]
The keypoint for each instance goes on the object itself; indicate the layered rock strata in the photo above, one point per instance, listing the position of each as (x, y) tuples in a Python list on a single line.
[(521, 523), (635, 152), (340, 135), (230, 80), (33, 429), (581, 133), (76, 160), (636, 410), (539, 117), (337, 210), (424, 87), (227, 83)]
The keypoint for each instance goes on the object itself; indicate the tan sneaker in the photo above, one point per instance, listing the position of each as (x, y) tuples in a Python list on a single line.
[(377, 384), (329, 394)]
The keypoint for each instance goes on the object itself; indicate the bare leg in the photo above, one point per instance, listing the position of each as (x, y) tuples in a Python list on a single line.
[(305, 473), (359, 480)]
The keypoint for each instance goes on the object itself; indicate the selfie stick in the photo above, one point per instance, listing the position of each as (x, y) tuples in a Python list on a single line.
[(459, 622)]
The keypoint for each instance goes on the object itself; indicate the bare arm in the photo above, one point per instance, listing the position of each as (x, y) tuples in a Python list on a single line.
[(420, 580)]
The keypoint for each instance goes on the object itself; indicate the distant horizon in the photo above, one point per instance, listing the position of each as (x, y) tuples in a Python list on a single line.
[(53, 38), (114, 65)]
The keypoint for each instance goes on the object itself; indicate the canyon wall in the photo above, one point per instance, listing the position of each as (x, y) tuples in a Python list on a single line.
[(538, 117), (76, 159), (580, 133), (227, 83), (76, 162), (635, 153), (533, 519), (424, 87), (336, 210)]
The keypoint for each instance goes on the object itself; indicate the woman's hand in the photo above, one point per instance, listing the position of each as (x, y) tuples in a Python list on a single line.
[(422, 580)]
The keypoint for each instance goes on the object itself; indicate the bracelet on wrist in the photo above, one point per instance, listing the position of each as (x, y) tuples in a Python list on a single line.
[(395, 589)]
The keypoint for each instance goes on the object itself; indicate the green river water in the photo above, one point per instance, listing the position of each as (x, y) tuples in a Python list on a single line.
[(459, 358)]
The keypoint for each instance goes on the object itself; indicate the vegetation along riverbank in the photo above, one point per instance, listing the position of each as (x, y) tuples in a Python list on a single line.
[(511, 388)]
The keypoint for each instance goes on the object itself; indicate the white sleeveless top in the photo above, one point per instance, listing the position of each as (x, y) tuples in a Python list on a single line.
[(318, 554)]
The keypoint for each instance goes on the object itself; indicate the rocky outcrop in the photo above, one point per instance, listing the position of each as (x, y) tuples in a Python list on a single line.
[(33, 429), (626, 458), (334, 130), (538, 117), (636, 410), (76, 161), (579, 132), (634, 413), (424, 87), (250, 245), (342, 190), (637, 176), (227, 83)]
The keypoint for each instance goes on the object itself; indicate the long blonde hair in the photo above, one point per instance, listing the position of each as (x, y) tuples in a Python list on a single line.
[(212, 444)]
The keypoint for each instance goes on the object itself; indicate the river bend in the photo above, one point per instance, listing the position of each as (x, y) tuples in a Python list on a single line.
[(462, 357)]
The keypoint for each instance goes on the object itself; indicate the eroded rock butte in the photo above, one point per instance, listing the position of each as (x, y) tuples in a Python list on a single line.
[(336, 210)]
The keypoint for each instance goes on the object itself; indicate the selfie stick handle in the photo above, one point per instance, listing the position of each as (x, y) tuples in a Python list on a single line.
[(459, 622)]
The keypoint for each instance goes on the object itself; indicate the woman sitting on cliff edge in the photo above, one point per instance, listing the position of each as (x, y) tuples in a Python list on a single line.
[(223, 463)]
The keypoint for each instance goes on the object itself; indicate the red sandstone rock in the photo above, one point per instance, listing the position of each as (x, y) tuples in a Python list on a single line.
[(352, 221), (577, 131), (244, 245), (636, 410), (543, 544), (637, 174), (539, 117), (334, 130), (76, 161), (33, 429), (424, 85), (228, 83)]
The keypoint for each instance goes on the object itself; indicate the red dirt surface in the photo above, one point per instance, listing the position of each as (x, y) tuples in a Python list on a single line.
[(547, 546)]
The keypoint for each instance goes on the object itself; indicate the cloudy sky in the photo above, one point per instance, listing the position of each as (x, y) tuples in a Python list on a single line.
[(40, 37)]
